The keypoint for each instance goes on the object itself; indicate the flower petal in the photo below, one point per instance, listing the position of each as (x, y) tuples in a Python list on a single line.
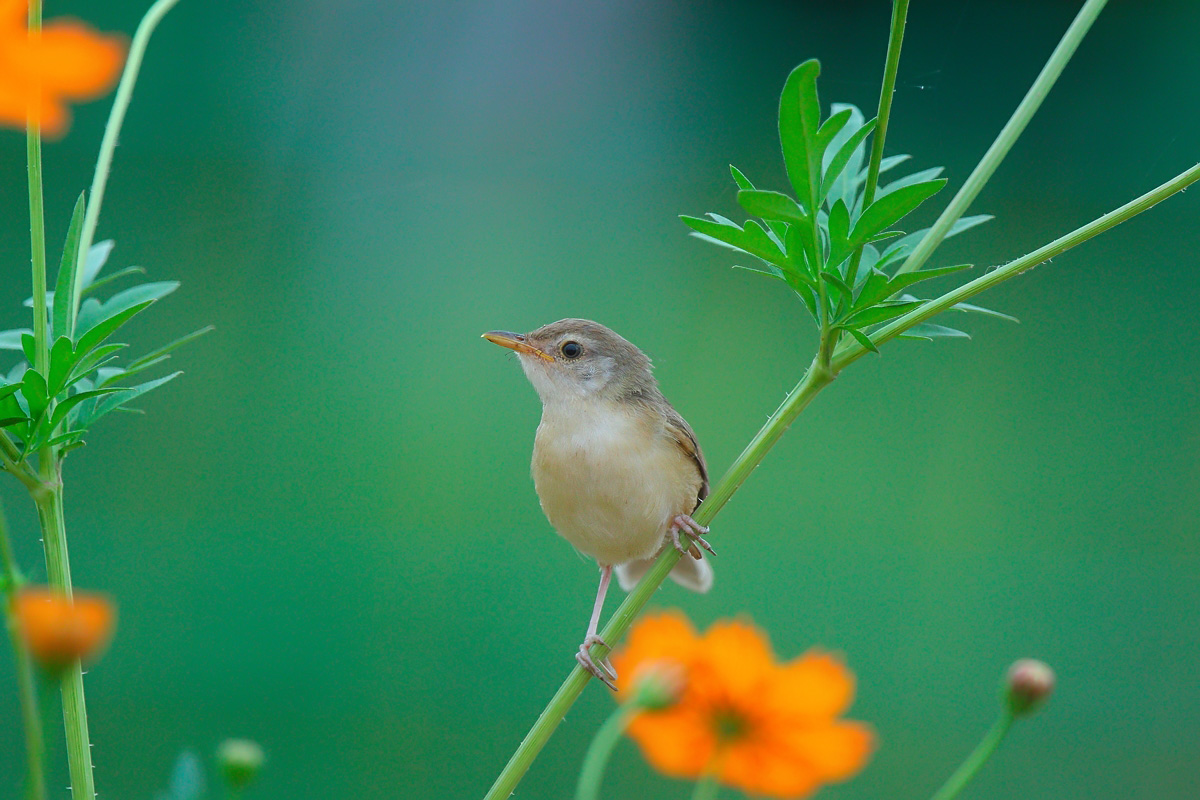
[(734, 657), (677, 741), (834, 752), (756, 767), (816, 684), (75, 62), (655, 637)]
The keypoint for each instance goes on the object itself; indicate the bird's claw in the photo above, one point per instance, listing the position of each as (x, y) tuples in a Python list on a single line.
[(602, 669), (683, 522)]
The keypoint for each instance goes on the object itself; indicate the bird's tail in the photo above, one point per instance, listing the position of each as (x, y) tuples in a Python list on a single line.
[(690, 573)]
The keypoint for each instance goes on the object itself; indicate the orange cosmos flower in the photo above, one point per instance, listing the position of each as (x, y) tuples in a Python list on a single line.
[(58, 630), (40, 74), (764, 727)]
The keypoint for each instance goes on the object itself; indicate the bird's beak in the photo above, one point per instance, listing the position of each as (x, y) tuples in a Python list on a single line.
[(515, 341)]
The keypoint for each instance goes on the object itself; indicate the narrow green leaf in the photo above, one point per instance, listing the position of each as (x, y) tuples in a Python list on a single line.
[(101, 355), (881, 313), (891, 161), (92, 314), (909, 278), (799, 116), (29, 348), (841, 158), (62, 409), (107, 279), (751, 239), (860, 337), (800, 253), (770, 270), (102, 330), (6, 422), (62, 359), (890, 209), (120, 398), (741, 180), (910, 242), (772, 205), (60, 323), (836, 282), (923, 176), (831, 127), (9, 389), (929, 331), (839, 234), (11, 340), (157, 353), (33, 389), (985, 311), (96, 258)]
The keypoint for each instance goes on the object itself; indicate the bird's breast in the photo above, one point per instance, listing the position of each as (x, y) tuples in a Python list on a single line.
[(610, 481)]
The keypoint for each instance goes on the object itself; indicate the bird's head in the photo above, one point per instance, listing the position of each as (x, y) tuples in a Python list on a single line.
[(574, 359)]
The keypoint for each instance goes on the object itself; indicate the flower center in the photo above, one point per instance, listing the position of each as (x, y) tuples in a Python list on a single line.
[(729, 725)]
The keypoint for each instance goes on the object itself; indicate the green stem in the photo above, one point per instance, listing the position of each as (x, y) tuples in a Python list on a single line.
[(37, 212), (851, 351), (706, 788), (116, 117), (35, 749), (10, 460), (58, 572), (600, 751), (816, 379), (1008, 135), (974, 762), (890, 69)]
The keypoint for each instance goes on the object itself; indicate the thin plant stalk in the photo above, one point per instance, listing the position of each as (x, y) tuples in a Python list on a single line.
[(37, 212), (108, 145), (1008, 135), (707, 787), (31, 721), (979, 756), (891, 68), (600, 751)]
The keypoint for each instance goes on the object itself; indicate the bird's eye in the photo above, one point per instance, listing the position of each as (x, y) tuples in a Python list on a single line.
[(572, 349)]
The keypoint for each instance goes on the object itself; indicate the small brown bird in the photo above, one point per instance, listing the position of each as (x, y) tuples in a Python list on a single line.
[(617, 470)]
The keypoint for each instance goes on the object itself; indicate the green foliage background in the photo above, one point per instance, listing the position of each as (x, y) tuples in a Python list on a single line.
[(324, 537)]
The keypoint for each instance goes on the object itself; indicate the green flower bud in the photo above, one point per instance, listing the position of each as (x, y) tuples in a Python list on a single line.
[(658, 685), (239, 761)]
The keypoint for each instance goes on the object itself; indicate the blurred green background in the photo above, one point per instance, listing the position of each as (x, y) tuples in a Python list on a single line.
[(324, 536)]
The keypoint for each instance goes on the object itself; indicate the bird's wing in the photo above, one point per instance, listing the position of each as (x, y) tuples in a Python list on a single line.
[(682, 433)]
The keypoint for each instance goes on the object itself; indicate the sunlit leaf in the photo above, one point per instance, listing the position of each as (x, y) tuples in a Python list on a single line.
[(923, 176), (860, 337), (92, 314), (985, 311), (107, 279), (930, 331), (90, 413), (96, 258), (741, 180), (11, 340), (881, 313), (751, 239), (62, 359), (841, 159), (890, 209), (772, 205), (831, 127), (96, 335)]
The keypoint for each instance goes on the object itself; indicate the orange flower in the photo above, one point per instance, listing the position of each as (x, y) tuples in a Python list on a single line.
[(58, 630), (39, 74), (766, 728)]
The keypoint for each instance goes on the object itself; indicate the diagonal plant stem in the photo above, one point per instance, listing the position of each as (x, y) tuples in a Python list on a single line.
[(891, 68), (10, 581), (1007, 137), (967, 771), (37, 212), (116, 117), (851, 351)]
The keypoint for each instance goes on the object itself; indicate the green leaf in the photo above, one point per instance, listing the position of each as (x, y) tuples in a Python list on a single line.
[(93, 313), (799, 116), (62, 359), (102, 330), (831, 127), (985, 311), (881, 313), (154, 355), (891, 161), (923, 176), (836, 282), (118, 399), (899, 282), (107, 279), (29, 348), (860, 337), (33, 389), (880, 287), (890, 209), (65, 284), (101, 355), (801, 254), (11, 340), (772, 205), (751, 239), (9, 389), (842, 158), (62, 409), (929, 331), (910, 242), (839, 233), (770, 270), (96, 258), (741, 180)]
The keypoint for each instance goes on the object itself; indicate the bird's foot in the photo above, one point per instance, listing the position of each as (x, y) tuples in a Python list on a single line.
[(683, 522), (602, 670)]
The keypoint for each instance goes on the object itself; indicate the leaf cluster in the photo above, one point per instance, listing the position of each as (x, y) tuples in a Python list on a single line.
[(827, 240), (84, 379)]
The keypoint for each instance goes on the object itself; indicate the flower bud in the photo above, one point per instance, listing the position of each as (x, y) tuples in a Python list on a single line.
[(239, 761), (58, 629), (1028, 683), (658, 684)]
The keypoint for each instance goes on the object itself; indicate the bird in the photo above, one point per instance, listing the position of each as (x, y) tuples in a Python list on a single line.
[(617, 470)]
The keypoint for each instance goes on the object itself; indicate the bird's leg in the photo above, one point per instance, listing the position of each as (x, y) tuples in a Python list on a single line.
[(602, 670), (683, 522)]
